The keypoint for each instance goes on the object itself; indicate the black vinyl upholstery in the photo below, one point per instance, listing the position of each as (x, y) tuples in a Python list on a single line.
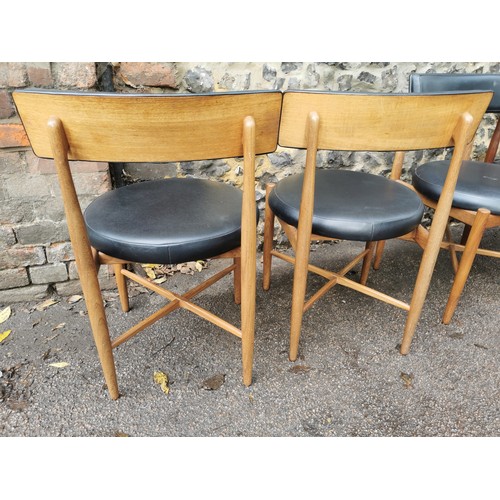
[(134, 222), (388, 209), (478, 184), (446, 82)]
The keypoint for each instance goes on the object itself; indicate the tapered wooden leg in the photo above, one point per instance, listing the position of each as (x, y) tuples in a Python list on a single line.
[(237, 280), (304, 231), (248, 292), (121, 282), (379, 252), (370, 246), (424, 277), (85, 257), (99, 326), (268, 240), (298, 295), (248, 251), (473, 241)]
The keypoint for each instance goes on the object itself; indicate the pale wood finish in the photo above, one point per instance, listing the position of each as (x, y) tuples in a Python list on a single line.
[(146, 128), (370, 122), (494, 144), (84, 257), (378, 124), (481, 220)]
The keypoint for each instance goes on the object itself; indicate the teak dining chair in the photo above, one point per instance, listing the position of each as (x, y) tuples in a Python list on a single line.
[(163, 221), (350, 205), (476, 202)]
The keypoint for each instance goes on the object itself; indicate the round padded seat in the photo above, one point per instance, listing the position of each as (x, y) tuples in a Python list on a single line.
[(351, 205), (478, 184), (166, 221)]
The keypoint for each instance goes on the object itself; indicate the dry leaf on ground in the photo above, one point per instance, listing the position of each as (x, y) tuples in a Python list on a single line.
[(4, 335), (62, 364), (161, 379), (407, 379), (5, 314), (74, 298), (42, 306)]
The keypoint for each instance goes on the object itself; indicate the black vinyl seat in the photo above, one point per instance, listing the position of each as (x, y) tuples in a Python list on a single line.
[(389, 209), (476, 200), (165, 221), (478, 184), (210, 227)]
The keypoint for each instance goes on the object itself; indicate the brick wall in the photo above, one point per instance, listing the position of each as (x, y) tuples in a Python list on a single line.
[(35, 254)]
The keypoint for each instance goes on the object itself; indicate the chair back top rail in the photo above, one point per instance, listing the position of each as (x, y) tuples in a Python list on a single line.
[(150, 127), (442, 82), (379, 122)]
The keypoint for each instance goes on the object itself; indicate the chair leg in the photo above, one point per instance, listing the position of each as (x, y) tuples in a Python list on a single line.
[(298, 295), (453, 253), (99, 326), (121, 282), (237, 280), (423, 280), (473, 241), (370, 246), (248, 293), (268, 240), (379, 251)]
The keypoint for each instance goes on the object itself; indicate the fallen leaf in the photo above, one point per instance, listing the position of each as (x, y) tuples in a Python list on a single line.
[(151, 274), (5, 314), (162, 380), (44, 305), (159, 281), (407, 379), (4, 335), (17, 405), (74, 298), (200, 265), (60, 325), (300, 369), (62, 364), (214, 383), (120, 434)]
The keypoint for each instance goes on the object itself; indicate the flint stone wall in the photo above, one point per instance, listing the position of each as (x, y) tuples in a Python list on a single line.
[(35, 254)]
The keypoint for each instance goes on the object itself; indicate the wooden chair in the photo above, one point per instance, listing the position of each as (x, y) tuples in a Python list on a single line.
[(476, 202), (165, 221), (358, 206)]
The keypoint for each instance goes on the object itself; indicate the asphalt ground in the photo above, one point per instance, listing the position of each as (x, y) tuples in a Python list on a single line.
[(349, 380)]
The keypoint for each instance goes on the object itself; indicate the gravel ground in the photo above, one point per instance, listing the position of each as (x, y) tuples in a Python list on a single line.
[(349, 380)]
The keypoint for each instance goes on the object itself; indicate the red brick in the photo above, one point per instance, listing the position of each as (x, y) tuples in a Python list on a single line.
[(39, 74), (12, 135), (148, 74), (6, 106)]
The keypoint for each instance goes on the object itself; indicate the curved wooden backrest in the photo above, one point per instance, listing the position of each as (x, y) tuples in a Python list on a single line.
[(379, 122), (150, 127)]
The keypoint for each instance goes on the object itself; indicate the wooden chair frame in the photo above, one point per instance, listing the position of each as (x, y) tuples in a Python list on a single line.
[(64, 126), (359, 122), (475, 224)]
